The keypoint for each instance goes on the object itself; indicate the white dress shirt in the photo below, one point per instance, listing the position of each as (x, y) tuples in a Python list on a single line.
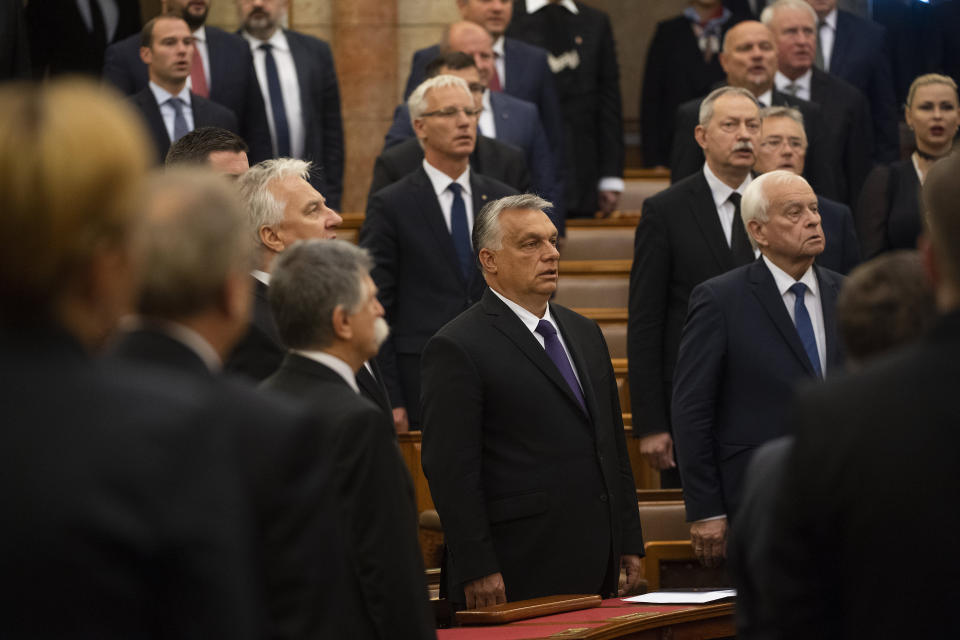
[(167, 112), (109, 11), (811, 300), (487, 125), (289, 87), (802, 83), (200, 43), (530, 321), (262, 276), (499, 60), (827, 36), (342, 368), (721, 199), (535, 5), (441, 182), (766, 98)]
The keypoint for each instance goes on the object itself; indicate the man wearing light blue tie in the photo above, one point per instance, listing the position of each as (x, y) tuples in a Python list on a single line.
[(752, 335)]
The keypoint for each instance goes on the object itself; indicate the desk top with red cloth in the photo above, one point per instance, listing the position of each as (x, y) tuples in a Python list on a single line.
[(614, 618)]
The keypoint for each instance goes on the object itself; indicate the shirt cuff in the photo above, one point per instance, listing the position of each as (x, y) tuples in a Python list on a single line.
[(611, 183), (723, 515)]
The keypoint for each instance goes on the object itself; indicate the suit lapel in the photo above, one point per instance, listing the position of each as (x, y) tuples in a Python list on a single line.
[(515, 74), (510, 325), (704, 212), (429, 209), (219, 69), (818, 88), (828, 302), (765, 289), (302, 66), (502, 118), (151, 111), (371, 387), (201, 111), (841, 40)]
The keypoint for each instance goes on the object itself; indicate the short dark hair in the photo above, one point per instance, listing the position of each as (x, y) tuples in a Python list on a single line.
[(885, 303), (196, 146), (146, 33), (453, 60)]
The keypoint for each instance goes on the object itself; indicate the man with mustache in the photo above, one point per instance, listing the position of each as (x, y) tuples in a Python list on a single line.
[(221, 70), (298, 81), (687, 234)]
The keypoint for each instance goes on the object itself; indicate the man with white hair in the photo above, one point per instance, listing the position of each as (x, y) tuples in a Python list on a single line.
[(418, 230), (751, 336), (688, 233)]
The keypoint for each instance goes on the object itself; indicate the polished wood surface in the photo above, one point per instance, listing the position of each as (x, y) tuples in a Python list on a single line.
[(526, 609)]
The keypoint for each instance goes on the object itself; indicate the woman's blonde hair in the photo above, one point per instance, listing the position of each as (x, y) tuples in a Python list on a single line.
[(928, 79)]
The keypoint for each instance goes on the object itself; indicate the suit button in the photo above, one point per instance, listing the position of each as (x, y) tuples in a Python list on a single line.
[(603, 497)]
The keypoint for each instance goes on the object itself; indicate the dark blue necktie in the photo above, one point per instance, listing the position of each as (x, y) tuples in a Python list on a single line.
[(276, 102), (460, 231), (180, 127), (804, 327), (555, 350)]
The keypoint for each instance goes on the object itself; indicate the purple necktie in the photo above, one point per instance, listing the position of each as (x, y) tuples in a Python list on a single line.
[(555, 350)]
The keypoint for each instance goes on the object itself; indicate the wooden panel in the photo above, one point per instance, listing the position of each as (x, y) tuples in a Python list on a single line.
[(598, 267), (410, 448)]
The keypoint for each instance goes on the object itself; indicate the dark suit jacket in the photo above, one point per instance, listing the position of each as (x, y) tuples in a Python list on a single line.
[(848, 127), (60, 42), (130, 520), (520, 474), (823, 165), (205, 114), (739, 363), (679, 243), (14, 45), (841, 508), (860, 57), (320, 105), (418, 274), (675, 72), (233, 82), (590, 99), (384, 593), (528, 78), (842, 252), (517, 124), (287, 481)]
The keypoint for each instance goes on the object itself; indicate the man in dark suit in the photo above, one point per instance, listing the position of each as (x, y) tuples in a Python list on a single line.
[(751, 336), (682, 64), (221, 70), (855, 50), (783, 145), (192, 307), (832, 524), (418, 230), (523, 440), (846, 114), (170, 110), (686, 235), (224, 152), (749, 58), (67, 36), (468, 53), (521, 70), (582, 56), (298, 81), (327, 311), (129, 515), (14, 44)]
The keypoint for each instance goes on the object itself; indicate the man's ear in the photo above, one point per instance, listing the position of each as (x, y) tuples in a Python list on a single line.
[(757, 232), (146, 56), (271, 239), (700, 135), (418, 128), (342, 328), (488, 260)]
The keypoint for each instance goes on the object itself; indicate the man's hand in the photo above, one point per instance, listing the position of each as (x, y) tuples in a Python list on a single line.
[(400, 421), (631, 566), (485, 591), (657, 450), (607, 202), (709, 539)]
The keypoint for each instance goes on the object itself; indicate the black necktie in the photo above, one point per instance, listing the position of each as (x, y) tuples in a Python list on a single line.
[(280, 125), (739, 242), (98, 30), (460, 231)]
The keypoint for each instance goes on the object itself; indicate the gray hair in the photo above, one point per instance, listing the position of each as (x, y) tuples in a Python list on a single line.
[(417, 102), (486, 227), (766, 16), (263, 207), (755, 204), (785, 112), (706, 107), (194, 239), (311, 279)]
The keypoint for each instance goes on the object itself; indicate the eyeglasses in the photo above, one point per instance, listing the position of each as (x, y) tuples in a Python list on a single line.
[(451, 112), (796, 144)]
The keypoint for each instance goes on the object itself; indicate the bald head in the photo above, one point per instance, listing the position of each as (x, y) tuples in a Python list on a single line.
[(749, 57), (473, 40)]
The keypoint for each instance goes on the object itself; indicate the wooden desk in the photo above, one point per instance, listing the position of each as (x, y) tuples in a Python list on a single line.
[(614, 619)]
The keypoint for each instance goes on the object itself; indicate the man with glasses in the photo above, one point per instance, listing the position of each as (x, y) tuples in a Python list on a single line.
[(418, 231)]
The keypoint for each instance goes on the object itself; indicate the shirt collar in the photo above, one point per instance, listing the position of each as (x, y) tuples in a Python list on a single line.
[(720, 191), (766, 98), (831, 19), (781, 81), (262, 276), (278, 40), (441, 181), (182, 334), (200, 34), (529, 320), (487, 105), (535, 5), (784, 280), (162, 95), (335, 363), (498, 47)]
